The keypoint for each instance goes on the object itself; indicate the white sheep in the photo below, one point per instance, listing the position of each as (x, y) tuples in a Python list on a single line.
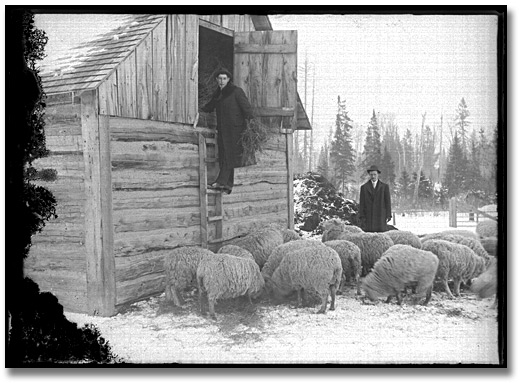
[(225, 276), (372, 246), (403, 237), (334, 227), (290, 235), (485, 285), (280, 251), (316, 269), (236, 250), (456, 262), (487, 228), (473, 243), (350, 256), (260, 243), (401, 266), (180, 270)]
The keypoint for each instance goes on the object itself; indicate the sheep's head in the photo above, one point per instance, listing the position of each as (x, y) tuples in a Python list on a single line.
[(369, 291)]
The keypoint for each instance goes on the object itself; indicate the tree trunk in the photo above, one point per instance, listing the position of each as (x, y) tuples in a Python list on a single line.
[(421, 160)]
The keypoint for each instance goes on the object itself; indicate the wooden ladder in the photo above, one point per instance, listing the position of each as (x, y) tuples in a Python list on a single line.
[(204, 191)]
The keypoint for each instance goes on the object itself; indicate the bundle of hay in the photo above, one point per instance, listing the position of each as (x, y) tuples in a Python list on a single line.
[(252, 140)]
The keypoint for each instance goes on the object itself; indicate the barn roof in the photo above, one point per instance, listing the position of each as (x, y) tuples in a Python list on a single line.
[(87, 65)]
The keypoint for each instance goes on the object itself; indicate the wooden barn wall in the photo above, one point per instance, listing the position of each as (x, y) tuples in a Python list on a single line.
[(158, 80), (56, 259), (155, 198), (238, 23)]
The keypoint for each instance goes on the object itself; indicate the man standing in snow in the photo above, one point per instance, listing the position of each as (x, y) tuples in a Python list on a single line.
[(374, 203)]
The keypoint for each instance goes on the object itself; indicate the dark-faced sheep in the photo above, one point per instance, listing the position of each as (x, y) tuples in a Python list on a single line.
[(280, 251), (403, 237), (401, 266), (180, 271), (237, 251), (485, 285), (372, 246), (456, 262), (261, 243), (315, 269), (350, 256), (225, 276)]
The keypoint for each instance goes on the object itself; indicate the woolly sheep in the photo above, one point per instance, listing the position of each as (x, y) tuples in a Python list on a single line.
[(280, 251), (485, 285), (487, 228), (372, 246), (290, 235), (461, 232), (237, 251), (472, 243), (261, 243), (490, 245), (226, 276), (317, 269), (456, 262), (403, 237), (350, 256), (399, 267), (334, 227), (180, 270)]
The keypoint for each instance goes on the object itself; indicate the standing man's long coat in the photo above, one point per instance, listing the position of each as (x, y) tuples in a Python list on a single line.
[(374, 206), (232, 111)]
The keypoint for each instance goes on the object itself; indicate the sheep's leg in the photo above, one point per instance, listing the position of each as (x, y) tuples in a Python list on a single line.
[(176, 295), (322, 310), (332, 295), (358, 284), (211, 308), (399, 298), (168, 294), (457, 283), (428, 296), (389, 299), (299, 297), (201, 294), (343, 280), (447, 289)]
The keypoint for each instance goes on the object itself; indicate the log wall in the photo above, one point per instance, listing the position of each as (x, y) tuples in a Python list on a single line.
[(56, 260)]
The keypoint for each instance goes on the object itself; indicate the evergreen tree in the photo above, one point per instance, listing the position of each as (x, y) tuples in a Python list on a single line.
[(455, 176), (425, 187), (461, 123), (388, 168), (407, 150), (404, 189), (474, 179), (323, 167), (372, 147), (342, 154)]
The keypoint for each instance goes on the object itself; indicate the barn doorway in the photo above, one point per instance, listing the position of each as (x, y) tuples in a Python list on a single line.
[(216, 50)]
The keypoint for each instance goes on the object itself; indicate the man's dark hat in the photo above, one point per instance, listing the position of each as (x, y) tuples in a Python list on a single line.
[(374, 168)]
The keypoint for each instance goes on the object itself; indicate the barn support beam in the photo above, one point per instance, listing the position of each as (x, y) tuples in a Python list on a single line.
[(99, 240)]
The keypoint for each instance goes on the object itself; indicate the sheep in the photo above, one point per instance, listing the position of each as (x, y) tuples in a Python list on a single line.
[(399, 267), (472, 243), (461, 232), (180, 270), (334, 227), (490, 244), (280, 251), (236, 250), (261, 243), (226, 276), (317, 269), (457, 262), (485, 285), (487, 228), (350, 256), (402, 237), (290, 235), (372, 246)]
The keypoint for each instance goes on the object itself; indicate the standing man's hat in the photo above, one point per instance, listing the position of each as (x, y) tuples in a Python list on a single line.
[(374, 168)]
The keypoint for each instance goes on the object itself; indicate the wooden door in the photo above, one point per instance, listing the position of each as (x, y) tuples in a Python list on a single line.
[(265, 67)]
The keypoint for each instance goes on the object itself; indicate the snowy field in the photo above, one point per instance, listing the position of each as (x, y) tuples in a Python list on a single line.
[(447, 331), (431, 222)]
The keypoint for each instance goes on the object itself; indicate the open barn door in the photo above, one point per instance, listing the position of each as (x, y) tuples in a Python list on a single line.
[(265, 67)]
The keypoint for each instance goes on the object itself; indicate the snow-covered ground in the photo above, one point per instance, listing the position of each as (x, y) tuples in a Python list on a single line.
[(463, 330)]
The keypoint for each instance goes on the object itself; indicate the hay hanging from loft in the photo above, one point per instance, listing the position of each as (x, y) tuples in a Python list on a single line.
[(252, 140), (207, 84)]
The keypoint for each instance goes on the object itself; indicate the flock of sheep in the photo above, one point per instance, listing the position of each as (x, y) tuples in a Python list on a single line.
[(279, 263)]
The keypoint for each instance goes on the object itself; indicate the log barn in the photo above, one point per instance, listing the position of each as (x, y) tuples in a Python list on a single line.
[(133, 154)]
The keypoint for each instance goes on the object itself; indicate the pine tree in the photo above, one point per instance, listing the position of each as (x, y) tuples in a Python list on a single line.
[(407, 150), (474, 179), (404, 188), (388, 168), (455, 176), (461, 123), (323, 167), (372, 147), (342, 154)]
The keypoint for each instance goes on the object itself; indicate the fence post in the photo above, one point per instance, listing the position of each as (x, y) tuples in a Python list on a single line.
[(453, 212), (393, 218)]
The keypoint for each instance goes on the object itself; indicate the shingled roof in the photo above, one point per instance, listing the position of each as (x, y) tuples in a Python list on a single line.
[(87, 65)]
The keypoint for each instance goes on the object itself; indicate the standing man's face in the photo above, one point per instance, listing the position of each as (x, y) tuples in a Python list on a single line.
[(222, 80), (374, 175)]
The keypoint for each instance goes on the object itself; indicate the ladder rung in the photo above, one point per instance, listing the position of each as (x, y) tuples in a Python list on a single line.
[(214, 191), (218, 240), (211, 160), (212, 141), (215, 218)]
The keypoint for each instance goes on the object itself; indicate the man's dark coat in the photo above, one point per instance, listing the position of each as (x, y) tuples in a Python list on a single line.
[(232, 110), (374, 206)]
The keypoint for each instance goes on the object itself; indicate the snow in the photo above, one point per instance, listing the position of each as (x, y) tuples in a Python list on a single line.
[(463, 330)]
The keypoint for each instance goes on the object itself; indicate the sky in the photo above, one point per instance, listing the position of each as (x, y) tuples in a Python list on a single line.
[(403, 65)]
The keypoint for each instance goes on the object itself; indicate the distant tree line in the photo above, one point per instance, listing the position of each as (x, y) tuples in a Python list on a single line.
[(422, 170)]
